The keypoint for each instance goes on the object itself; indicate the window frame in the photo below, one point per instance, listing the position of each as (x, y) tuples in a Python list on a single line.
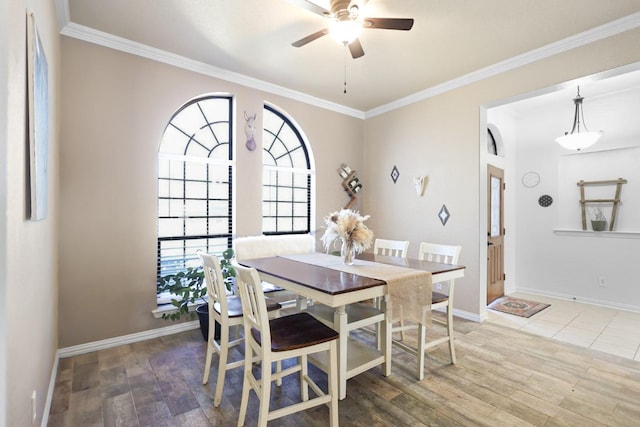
[(308, 169), (188, 257)]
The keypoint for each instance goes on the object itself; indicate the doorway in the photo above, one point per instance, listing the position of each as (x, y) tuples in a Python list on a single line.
[(495, 233)]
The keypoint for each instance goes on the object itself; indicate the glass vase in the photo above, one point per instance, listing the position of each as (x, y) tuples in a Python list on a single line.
[(348, 252)]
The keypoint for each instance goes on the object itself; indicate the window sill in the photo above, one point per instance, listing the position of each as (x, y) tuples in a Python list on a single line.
[(166, 308), (598, 234)]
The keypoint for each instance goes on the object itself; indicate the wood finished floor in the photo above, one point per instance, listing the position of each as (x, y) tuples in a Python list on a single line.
[(504, 377)]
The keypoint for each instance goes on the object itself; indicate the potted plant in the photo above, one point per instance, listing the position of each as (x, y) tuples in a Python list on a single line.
[(598, 221), (188, 288)]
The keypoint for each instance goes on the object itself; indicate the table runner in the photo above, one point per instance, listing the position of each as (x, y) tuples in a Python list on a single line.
[(409, 290)]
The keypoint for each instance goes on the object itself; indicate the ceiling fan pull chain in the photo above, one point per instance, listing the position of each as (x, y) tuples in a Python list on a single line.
[(345, 70)]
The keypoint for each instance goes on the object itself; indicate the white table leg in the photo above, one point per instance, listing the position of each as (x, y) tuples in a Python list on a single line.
[(386, 329), (340, 325)]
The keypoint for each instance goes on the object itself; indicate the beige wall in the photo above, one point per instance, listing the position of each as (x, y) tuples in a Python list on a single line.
[(28, 258), (116, 106), (114, 110), (440, 137)]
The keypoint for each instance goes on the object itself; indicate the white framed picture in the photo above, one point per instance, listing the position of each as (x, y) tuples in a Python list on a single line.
[(38, 122)]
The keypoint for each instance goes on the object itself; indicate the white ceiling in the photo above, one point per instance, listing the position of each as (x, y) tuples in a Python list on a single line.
[(452, 41)]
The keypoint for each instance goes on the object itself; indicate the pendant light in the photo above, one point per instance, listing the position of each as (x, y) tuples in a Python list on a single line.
[(578, 139)]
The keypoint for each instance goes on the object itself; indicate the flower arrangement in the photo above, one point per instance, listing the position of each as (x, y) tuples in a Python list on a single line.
[(348, 226)]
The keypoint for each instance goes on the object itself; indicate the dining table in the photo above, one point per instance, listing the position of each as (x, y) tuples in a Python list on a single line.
[(337, 286)]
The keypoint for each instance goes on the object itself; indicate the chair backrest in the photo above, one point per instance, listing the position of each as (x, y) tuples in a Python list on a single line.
[(216, 289), (397, 248), (265, 246), (446, 254), (254, 306)]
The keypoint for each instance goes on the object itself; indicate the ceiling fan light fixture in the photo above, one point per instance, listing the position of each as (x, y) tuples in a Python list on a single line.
[(345, 30), (577, 139)]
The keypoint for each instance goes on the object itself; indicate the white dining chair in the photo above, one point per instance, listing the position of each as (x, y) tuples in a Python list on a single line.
[(446, 254), (294, 336), (249, 247), (227, 311), (397, 248)]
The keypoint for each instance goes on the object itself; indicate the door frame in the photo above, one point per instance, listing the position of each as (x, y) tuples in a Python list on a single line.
[(493, 170), (501, 162)]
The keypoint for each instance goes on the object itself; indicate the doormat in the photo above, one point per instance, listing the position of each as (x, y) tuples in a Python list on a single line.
[(517, 306)]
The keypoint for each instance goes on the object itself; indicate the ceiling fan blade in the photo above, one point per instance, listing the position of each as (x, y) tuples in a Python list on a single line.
[(356, 49), (310, 38), (311, 7), (389, 23)]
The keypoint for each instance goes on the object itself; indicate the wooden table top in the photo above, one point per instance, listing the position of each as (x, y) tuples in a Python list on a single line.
[(324, 279), (416, 264), (334, 282)]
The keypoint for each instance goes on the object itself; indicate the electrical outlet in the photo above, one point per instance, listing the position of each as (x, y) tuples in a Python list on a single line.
[(602, 282), (438, 286), (34, 414)]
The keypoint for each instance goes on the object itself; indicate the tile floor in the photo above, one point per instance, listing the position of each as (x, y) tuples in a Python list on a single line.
[(599, 328)]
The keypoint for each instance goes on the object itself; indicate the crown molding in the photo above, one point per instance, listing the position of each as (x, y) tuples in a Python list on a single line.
[(610, 29), (91, 35), (101, 38)]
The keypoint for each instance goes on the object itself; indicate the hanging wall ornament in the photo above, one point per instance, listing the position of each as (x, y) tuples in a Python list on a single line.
[(419, 183), (444, 215), (395, 174), (249, 128), (545, 200)]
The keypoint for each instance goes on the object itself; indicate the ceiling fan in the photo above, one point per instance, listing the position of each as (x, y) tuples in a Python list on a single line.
[(346, 21)]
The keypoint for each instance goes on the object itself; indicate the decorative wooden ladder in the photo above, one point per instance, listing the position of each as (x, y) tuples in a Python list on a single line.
[(616, 200)]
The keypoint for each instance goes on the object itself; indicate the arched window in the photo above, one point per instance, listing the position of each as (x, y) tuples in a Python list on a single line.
[(287, 176), (195, 164)]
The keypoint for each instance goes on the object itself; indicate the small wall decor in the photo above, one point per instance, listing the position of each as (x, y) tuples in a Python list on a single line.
[(395, 174), (350, 183), (530, 179), (249, 128), (444, 215), (419, 182), (545, 200), (615, 201)]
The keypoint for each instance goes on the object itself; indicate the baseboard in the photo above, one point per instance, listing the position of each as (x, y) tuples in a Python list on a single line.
[(126, 339), (591, 301), (467, 315)]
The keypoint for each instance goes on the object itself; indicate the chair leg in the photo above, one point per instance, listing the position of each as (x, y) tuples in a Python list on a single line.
[(265, 393), (222, 365), (246, 384), (278, 370), (333, 384), (422, 336), (452, 349), (207, 363), (304, 368)]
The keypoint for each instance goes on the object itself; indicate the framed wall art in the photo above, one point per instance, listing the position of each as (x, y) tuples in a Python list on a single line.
[(38, 122)]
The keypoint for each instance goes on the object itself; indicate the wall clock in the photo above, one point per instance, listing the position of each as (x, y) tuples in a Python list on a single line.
[(530, 179)]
